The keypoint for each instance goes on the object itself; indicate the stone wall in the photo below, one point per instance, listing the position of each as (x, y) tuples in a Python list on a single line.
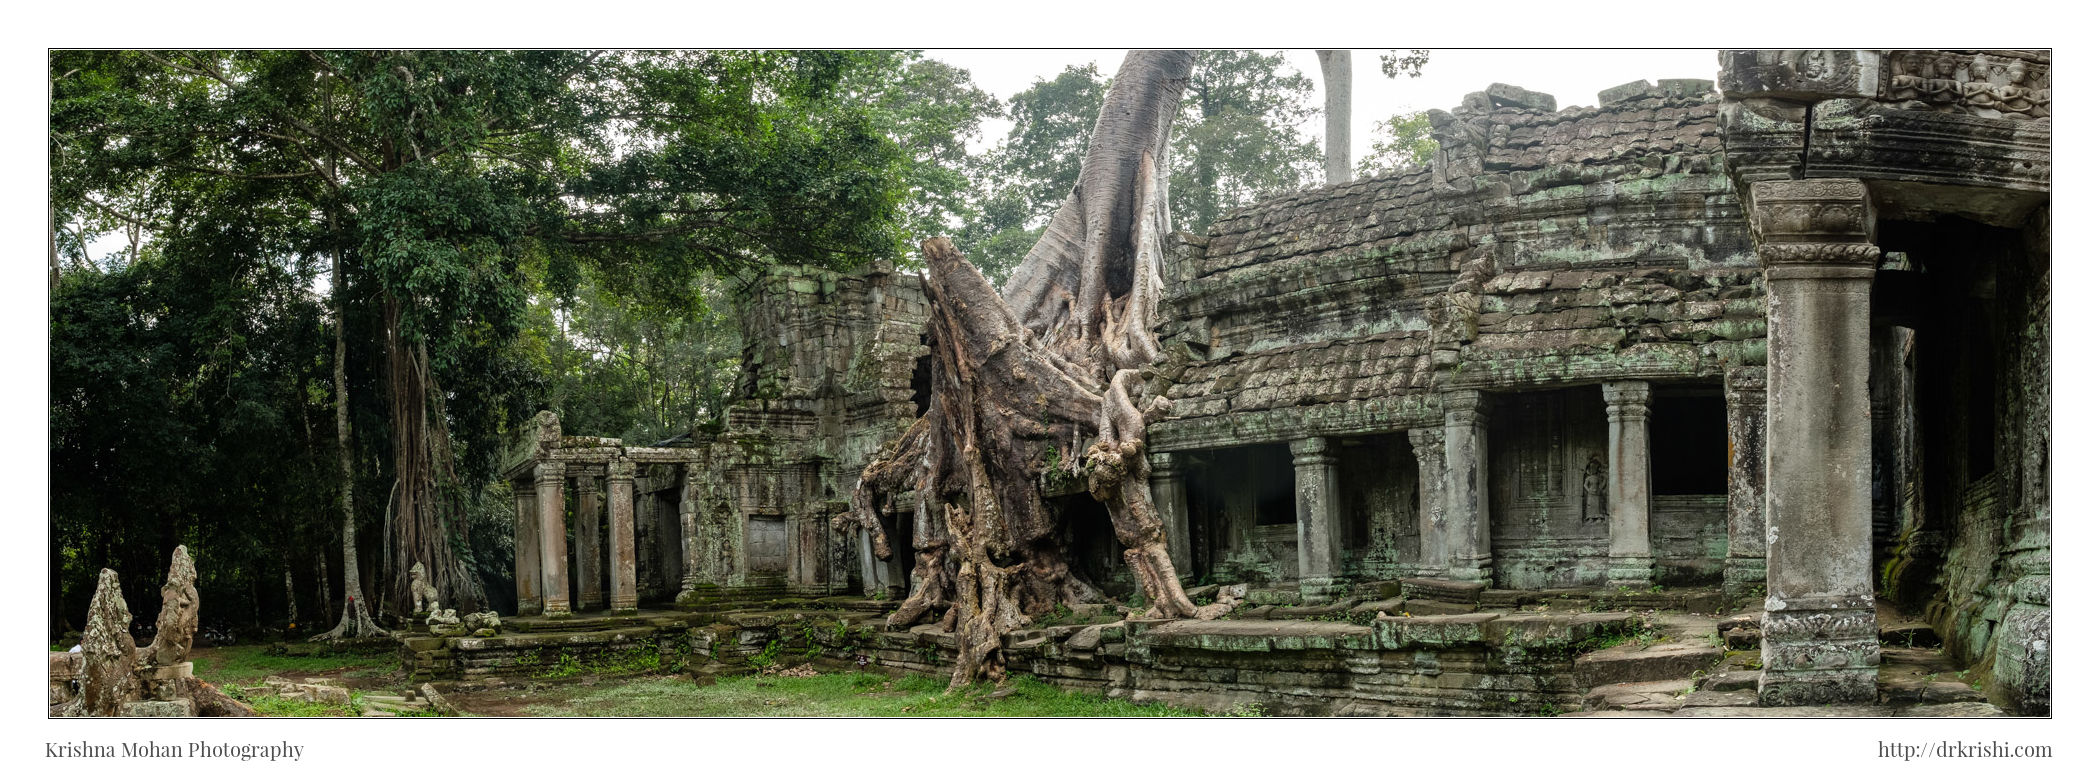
[(1482, 664), (1543, 248), (1541, 254)]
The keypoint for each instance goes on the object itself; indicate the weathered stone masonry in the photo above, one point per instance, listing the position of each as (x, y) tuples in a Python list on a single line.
[(1788, 338)]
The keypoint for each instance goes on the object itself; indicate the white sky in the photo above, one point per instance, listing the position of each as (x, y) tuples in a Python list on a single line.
[(1574, 77)]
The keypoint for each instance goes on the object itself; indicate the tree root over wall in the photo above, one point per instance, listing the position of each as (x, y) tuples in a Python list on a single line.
[(1053, 375)]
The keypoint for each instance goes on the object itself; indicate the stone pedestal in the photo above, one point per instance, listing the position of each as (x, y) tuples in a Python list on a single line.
[(1170, 496), (1744, 572), (526, 544), (1319, 519), (554, 546), (619, 494), (1433, 558), (1816, 242), (590, 553), (1465, 486), (1626, 484)]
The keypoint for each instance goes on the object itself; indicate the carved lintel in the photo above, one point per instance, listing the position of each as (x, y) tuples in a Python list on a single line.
[(1800, 74)]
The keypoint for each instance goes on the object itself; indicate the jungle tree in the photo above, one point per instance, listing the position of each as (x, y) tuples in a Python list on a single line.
[(1048, 375)]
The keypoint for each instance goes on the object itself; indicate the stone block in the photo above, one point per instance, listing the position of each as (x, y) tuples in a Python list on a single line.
[(1656, 695), (179, 708), (1434, 607), (1971, 709), (1632, 663), (1396, 633), (1460, 591), (1517, 96), (1625, 93), (1729, 681)]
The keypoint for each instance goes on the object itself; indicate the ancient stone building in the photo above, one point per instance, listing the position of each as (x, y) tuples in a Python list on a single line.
[(1787, 338)]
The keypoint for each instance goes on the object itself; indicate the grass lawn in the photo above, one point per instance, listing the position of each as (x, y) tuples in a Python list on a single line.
[(853, 694), (249, 664), (230, 668)]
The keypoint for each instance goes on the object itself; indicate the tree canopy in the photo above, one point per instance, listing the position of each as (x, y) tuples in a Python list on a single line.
[(453, 188)]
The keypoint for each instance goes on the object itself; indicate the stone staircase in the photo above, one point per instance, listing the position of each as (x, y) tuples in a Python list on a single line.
[(1713, 673)]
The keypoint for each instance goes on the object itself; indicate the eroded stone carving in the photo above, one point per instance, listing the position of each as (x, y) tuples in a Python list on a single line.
[(426, 595), (108, 677), (177, 625)]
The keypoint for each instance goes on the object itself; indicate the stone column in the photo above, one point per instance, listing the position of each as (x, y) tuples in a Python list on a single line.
[(1626, 485), (689, 495), (526, 546), (554, 548), (1434, 556), (619, 495), (1465, 486), (1745, 570), (1319, 519), (590, 553), (1170, 496), (1815, 239)]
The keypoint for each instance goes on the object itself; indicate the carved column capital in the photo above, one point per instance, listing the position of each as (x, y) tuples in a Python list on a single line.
[(1818, 227), (587, 484), (1312, 451), (549, 472), (1746, 386), (1164, 465), (1626, 400), (1465, 406), (621, 468), (1428, 441)]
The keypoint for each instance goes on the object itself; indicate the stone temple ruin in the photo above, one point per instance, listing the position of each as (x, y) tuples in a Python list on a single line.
[(1779, 343)]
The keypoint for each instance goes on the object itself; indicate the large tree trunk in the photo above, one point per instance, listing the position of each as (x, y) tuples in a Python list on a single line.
[(1046, 377), (1334, 76), (356, 620), (427, 506)]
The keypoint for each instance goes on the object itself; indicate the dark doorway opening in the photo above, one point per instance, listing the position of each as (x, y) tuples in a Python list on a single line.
[(1688, 444)]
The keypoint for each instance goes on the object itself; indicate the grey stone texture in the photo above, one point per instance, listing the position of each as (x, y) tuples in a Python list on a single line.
[(1786, 335)]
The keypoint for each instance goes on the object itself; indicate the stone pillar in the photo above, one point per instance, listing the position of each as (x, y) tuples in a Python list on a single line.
[(554, 548), (1626, 485), (1170, 496), (1465, 486), (526, 547), (1319, 519), (1434, 556), (619, 495), (689, 495), (1745, 570), (590, 553), (1815, 239)]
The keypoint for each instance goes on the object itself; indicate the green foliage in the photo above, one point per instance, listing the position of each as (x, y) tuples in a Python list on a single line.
[(1239, 135), (1021, 181), (468, 197), (766, 657), (1401, 142)]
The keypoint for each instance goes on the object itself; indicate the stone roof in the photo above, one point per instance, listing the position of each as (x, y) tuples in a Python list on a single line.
[(1540, 245)]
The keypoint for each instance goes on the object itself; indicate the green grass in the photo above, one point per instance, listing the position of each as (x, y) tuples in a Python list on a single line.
[(854, 694), (249, 664), (274, 707)]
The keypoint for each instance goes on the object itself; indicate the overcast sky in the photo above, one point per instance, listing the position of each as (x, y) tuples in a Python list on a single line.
[(1574, 77)]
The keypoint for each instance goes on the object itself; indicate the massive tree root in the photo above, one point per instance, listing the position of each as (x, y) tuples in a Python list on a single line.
[(1048, 377)]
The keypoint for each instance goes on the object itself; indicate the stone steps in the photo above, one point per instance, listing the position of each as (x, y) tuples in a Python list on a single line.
[(1633, 663)]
